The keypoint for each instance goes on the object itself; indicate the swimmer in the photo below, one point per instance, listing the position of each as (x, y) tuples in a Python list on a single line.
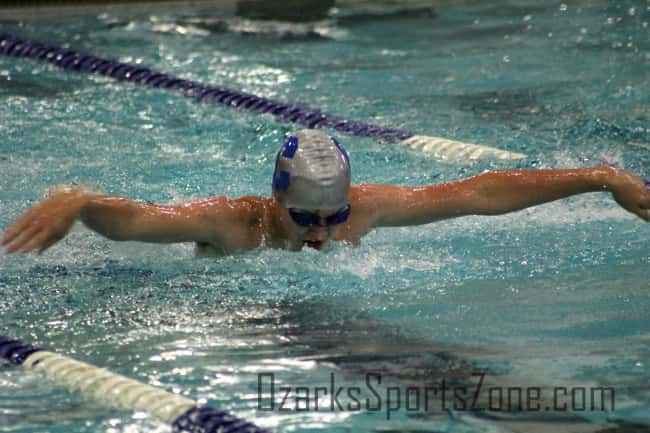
[(312, 204)]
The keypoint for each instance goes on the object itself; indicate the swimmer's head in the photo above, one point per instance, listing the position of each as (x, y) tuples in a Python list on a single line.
[(312, 171)]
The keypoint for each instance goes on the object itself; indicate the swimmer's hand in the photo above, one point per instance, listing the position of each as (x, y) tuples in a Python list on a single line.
[(45, 223), (631, 193)]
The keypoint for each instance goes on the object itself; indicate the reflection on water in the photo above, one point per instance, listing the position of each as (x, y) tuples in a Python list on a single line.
[(356, 346), (209, 347)]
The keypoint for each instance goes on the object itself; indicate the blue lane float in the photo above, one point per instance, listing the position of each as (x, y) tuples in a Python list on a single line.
[(73, 60), (115, 390)]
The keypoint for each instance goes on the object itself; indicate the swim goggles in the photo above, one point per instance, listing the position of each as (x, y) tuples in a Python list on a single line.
[(306, 219)]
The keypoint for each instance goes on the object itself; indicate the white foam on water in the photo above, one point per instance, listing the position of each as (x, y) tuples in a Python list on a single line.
[(326, 28), (373, 255)]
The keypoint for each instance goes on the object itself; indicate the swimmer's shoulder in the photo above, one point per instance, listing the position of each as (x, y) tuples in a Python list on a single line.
[(250, 209), (364, 206), (246, 213), (363, 197), (370, 201), (243, 217), (241, 208)]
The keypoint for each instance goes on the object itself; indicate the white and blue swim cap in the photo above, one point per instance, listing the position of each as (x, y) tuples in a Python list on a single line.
[(312, 171)]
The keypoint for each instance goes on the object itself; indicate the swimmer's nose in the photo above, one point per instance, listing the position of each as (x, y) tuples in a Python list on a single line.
[(317, 233)]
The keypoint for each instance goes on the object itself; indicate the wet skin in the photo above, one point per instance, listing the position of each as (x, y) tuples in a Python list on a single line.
[(219, 225)]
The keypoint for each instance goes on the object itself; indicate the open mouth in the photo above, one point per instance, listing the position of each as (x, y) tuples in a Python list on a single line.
[(317, 245)]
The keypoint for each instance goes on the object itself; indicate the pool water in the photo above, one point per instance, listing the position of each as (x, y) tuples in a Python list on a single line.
[(551, 296)]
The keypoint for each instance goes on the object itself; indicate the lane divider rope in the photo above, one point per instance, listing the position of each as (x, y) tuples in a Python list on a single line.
[(119, 391), (70, 59)]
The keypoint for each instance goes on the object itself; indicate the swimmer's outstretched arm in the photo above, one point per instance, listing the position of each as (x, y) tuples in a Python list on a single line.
[(499, 192), (120, 219)]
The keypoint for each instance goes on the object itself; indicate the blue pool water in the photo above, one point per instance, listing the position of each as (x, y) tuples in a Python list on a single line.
[(555, 295)]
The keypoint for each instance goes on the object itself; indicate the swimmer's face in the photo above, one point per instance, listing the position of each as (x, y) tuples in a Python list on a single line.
[(313, 228)]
